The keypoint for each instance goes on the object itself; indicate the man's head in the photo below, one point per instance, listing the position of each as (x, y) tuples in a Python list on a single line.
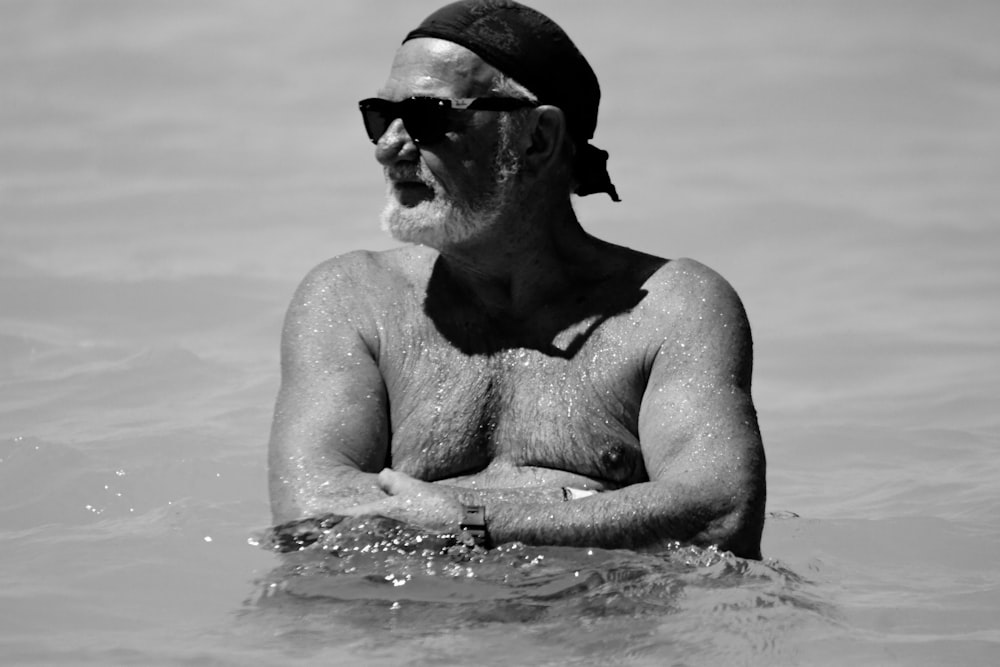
[(444, 191), (532, 107)]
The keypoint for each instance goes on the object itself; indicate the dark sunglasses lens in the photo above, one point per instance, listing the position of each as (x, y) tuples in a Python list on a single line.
[(376, 118), (425, 120)]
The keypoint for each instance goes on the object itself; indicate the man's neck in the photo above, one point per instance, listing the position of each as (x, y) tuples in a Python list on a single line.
[(524, 264)]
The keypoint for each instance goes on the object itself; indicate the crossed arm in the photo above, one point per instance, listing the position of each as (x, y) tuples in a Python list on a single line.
[(697, 430)]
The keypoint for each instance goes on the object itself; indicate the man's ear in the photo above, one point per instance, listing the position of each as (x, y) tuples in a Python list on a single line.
[(545, 138)]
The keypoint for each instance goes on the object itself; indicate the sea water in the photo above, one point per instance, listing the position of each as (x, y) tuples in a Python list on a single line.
[(170, 169)]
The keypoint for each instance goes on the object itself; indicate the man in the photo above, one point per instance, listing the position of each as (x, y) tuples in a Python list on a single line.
[(509, 373)]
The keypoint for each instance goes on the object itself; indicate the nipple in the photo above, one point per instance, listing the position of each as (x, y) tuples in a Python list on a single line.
[(621, 463), (613, 457)]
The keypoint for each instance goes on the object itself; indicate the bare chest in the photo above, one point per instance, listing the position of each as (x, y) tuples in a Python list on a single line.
[(572, 409)]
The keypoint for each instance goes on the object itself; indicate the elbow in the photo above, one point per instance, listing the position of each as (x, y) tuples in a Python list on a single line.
[(739, 534), (739, 528)]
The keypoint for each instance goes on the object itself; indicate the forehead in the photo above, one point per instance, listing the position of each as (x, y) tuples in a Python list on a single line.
[(437, 68)]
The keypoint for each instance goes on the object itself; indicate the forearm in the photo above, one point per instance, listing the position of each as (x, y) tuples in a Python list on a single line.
[(306, 493), (641, 516), (519, 484), (540, 496)]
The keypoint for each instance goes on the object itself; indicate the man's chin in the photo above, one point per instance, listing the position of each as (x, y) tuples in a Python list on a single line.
[(413, 224), (436, 224), (416, 237)]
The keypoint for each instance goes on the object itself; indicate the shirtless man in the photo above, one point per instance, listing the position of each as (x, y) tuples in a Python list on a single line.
[(579, 392)]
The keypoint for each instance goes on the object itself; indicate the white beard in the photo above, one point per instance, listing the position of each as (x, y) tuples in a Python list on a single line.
[(444, 221), (437, 222)]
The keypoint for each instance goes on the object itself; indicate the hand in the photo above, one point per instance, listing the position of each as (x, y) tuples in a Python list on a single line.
[(300, 533), (413, 502)]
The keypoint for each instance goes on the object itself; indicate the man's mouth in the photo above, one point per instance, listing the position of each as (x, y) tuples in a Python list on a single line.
[(408, 187)]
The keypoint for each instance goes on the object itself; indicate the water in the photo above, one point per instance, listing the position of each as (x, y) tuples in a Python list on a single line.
[(169, 170)]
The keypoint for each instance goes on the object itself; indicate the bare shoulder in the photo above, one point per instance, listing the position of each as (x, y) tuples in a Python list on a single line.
[(361, 284), (697, 316), (689, 283), (363, 272), (353, 295)]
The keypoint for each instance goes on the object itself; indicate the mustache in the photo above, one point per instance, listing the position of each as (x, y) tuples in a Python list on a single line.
[(407, 173)]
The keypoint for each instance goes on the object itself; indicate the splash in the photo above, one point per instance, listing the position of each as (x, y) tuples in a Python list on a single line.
[(373, 562)]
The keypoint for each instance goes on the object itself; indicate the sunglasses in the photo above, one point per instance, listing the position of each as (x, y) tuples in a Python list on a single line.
[(426, 118)]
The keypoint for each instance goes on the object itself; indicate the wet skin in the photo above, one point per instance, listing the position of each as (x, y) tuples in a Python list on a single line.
[(498, 370)]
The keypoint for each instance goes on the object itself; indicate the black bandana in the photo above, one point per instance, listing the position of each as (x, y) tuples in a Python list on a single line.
[(531, 49)]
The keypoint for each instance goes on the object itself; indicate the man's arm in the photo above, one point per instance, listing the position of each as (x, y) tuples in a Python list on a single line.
[(698, 432), (699, 436), (330, 432)]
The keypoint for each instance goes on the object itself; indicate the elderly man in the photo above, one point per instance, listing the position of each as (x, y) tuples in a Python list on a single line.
[(508, 374)]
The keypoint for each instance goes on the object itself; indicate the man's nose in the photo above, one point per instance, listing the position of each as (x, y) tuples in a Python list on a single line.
[(395, 145)]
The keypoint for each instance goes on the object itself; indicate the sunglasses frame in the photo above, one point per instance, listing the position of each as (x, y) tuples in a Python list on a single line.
[(427, 116)]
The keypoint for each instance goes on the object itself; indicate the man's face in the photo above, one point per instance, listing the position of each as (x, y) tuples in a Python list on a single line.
[(453, 190)]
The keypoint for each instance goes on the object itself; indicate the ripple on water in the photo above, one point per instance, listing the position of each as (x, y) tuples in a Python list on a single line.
[(380, 575)]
